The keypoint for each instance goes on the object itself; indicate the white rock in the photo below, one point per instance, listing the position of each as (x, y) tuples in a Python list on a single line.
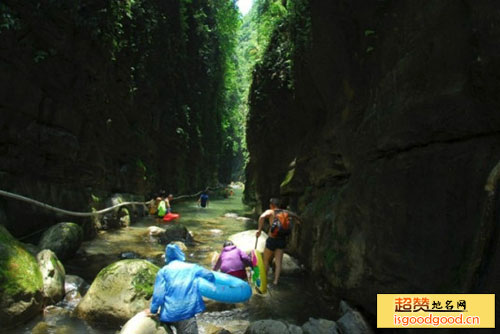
[(155, 230), (142, 324), (246, 240), (53, 276)]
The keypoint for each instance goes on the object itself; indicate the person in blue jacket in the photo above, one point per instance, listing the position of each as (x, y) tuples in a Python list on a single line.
[(203, 200), (176, 293)]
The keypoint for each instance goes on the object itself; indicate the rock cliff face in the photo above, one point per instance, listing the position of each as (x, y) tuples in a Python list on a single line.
[(385, 143), (99, 97)]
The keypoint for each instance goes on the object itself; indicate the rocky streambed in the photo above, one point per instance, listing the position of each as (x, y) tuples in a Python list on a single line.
[(102, 285)]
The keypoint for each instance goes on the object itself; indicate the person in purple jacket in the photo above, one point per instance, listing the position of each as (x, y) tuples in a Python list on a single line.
[(233, 261)]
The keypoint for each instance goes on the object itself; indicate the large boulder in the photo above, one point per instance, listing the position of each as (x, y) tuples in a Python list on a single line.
[(142, 324), (246, 240), (175, 232), (53, 275), (64, 239), (119, 291), (21, 283)]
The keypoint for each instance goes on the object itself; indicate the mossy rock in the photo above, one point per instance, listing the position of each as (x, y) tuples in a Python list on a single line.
[(21, 283), (119, 291), (64, 239)]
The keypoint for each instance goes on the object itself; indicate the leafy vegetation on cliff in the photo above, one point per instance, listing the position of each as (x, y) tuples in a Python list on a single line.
[(146, 79), (283, 33)]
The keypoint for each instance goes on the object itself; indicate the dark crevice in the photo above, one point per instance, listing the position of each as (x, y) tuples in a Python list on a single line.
[(393, 152)]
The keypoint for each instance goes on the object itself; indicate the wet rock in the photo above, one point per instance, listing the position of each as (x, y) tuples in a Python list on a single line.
[(232, 320), (175, 232), (64, 239), (236, 326), (53, 275), (246, 240), (321, 326), (75, 283), (352, 321), (142, 324), (129, 255), (53, 313), (74, 288), (21, 283), (272, 327), (290, 266), (210, 328), (41, 328), (155, 231), (221, 331), (70, 300), (119, 291)]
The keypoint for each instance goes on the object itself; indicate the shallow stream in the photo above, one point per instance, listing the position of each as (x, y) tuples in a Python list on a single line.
[(295, 299)]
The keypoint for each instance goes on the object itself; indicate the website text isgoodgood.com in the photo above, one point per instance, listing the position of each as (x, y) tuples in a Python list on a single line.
[(436, 320)]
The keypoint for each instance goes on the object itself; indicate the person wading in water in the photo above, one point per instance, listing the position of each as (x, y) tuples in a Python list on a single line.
[(280, 228)]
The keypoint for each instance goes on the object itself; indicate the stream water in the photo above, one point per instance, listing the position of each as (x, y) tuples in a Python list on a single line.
[(294, 300)]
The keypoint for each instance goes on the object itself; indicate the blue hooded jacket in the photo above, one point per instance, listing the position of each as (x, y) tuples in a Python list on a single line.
[(176, 287)]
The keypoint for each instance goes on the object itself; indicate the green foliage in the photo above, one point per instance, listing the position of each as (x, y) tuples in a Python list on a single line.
[(8, 19), (19, 272), (95, 198), (166, 73), (255, 31)]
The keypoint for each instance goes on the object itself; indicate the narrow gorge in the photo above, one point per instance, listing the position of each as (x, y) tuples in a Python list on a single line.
[(377, 120)]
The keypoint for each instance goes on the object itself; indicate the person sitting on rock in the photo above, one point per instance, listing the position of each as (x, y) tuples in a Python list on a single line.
[(233, 261), (176, 293)]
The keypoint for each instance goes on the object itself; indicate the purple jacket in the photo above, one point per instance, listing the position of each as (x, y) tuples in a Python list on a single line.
[(232, 259)]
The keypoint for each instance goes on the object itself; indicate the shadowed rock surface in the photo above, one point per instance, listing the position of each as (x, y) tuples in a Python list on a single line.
[(384, 133), (99, 97)]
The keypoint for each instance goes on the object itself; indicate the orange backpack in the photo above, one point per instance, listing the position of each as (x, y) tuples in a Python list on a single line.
[(281, 226)]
